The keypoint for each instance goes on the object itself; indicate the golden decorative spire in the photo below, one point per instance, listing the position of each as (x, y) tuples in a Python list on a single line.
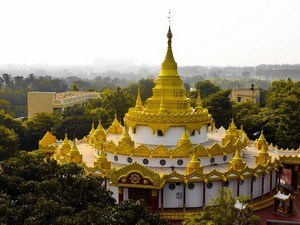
[(126, 138), (261, 141), (74, 149), (74, 155), (198, 102), (194, 165), (263, 156), (100, 132), (169, 95), (102, 161), (66, 143), (116, 127), (233, 128), (139, 103), (237, 162), (185, 141)]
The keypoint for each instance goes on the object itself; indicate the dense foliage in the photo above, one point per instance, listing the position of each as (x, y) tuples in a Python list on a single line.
[(221, 211), (37, 192)]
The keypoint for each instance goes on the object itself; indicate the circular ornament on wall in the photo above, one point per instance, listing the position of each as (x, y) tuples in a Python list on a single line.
[(179, 162), (145, 161)]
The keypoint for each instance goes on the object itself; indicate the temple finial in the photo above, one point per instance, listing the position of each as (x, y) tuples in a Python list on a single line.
[(169, 17)]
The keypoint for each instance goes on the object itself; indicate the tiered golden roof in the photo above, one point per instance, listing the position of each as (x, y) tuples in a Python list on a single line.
[(168, 105)]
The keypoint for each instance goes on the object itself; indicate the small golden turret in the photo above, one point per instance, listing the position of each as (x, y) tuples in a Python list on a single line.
[(126, 139), (74, 155), (194, 165), (100, 134), (233, 129), (116, 127), (237, 162), (185, 141), (261, 141), (198, 103), (91, 133), (102, 161), (139, 103), (263, 156), (229, 137), (65, 148)]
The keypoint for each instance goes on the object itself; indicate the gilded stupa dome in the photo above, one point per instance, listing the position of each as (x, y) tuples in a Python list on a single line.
[(168, 106)]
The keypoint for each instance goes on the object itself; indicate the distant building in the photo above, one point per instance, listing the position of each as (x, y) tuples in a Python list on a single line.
[(246, 94), (52, 101)]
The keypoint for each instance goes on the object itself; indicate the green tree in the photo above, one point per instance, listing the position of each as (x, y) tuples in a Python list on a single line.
[(221, 211), (37, 192), (206, 88), (8, 143), (19, 129), (220, 107), (38, 126)]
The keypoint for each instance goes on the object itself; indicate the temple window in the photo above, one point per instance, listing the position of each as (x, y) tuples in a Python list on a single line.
[(160, 133), (193, 133), (134, 130)]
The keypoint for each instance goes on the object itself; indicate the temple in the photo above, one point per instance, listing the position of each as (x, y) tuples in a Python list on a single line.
[(168, 153)]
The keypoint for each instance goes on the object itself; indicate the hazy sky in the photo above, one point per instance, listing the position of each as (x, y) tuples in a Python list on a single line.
[(210, 32)]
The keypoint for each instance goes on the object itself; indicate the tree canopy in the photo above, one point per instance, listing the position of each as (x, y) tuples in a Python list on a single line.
[(37, 192), (221, 211)]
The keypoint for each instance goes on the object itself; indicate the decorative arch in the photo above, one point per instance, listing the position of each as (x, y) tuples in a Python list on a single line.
[(180, 151), (201, 150), (137, 176), (215, 149), (142, 150), (111, 147), (161, 151)]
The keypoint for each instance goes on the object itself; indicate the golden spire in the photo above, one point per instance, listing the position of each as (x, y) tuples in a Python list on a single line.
[(237, 162), (198, 102), (139, 103), (74, 149), (116, 127), (100, 132), (261, 141), (126, 138), (194, 165), (262, 136), (66, 143), (233, 128), (185, 140), (102, 161), (263, 156)]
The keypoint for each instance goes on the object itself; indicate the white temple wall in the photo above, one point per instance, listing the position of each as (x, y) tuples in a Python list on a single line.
[(169, 162), (211, 193), (267, 183), (245, 188), (257, 187), (144, 135), (114, 190), (233, 186), (194, 197), (125, 194), (173, 198)]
